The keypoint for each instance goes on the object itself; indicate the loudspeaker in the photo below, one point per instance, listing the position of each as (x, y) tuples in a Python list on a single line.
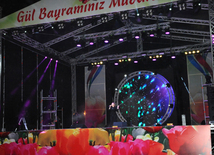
[(210, 95), (120, 124)]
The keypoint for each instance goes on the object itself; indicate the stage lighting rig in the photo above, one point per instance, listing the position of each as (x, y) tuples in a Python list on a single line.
[(61, 26), (149, 12), (181, 5), (124, 15), (104, 19), (79, 22)]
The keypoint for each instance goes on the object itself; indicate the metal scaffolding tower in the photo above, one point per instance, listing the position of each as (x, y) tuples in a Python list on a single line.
[(48, 111)]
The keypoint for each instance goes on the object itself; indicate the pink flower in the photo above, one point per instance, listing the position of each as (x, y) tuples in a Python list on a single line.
[(98, 150), (188, 139), (48, 151)]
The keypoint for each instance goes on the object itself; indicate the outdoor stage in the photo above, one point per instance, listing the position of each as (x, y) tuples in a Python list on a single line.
[(157, 140)]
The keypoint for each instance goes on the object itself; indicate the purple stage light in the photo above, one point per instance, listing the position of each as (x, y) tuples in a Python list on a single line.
[(78, 45), (27, 103), (167, 32), (116, 64), (51, 59), (173, 57), (124, 57), (137, 37), (121, 39), (106, 41), (91, 43), (46, 57), (152, 35), (98, 65), (56, 60), (153, 59), (28, 76), (135, 61)]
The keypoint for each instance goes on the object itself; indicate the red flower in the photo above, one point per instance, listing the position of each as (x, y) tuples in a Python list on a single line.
[(189, 139), (98, 150), (153, 129), (18, 149), (21, 141), (129, 138), (155, 148)]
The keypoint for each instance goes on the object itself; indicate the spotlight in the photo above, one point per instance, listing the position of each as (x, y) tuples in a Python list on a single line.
[(168, 85), (181, 5), (150, 57), (92, 63), (79, 22), (149, 12), (137, 37), (124, 15), (51, 59), (193, 52), (104, 19), (186, 53), (40, 28), (15, 33), (61, 26), (116, 64), (56, 60), (46, 57), (196, 6), (120, 60), (157, 56), (190, 52), (154, 59), (125, 75), (98, 65), (78, 45), (115, 89), (167, 32), (135, 61), (106, 41), (170, 11), (198, 51), (173, 57), (101, 62), (152, 35), (171, 105), (129, 59), (160, 56), (121, 39), (91, 43)]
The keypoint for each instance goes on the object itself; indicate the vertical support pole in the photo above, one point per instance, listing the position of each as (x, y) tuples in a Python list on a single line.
[(73, 89), (1, 103), (22, 74), (37, 92), (140, 43), (211, 21), (41, 109)]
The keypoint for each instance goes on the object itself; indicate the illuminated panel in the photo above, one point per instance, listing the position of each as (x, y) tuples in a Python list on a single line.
[(144, 97)]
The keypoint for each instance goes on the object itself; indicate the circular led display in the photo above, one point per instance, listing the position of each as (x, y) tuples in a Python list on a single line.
[(145, 98)]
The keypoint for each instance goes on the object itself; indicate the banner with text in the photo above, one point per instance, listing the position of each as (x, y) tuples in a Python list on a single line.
[(46, 11)]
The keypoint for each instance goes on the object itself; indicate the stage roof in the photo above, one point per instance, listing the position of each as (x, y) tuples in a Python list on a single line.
[(189, 31)]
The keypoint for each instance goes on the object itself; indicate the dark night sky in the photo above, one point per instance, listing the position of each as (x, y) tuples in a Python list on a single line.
[(11, 6)]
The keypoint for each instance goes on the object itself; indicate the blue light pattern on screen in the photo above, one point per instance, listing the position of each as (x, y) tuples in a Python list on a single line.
[(145, 99)]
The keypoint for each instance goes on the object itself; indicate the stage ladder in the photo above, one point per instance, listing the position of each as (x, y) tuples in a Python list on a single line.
[(52, 112)]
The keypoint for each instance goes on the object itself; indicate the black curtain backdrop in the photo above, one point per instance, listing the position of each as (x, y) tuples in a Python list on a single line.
[(13, 74)]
